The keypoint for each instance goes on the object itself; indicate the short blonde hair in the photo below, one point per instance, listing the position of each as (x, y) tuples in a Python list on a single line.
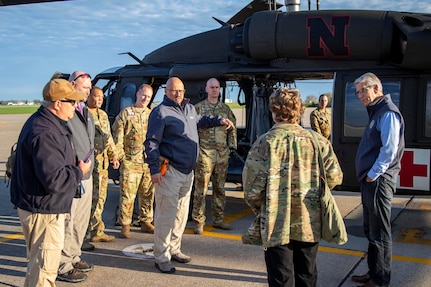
[(286, 105)]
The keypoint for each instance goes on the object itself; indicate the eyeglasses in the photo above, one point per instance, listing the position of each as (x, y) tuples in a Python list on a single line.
[(82, 76), (73, 102), (363, 90), (177, 91)]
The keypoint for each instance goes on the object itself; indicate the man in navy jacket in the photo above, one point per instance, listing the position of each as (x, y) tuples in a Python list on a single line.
[(45, 180), (172, 134)]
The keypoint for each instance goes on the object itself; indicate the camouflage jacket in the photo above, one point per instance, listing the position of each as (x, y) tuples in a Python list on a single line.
[(104, 146), (217, 137), (129, 131), (281, 184), (320, 121)]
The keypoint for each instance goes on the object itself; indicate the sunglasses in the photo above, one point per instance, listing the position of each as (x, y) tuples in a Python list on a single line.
[(73, 102), (82, 76)]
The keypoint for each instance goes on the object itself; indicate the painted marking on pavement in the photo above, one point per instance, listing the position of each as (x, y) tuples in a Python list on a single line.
[(412, 236), (10, 237), (425, 206), (144, 250)]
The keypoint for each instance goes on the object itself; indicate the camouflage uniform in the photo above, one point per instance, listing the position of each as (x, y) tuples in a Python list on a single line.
[(104, 152), (214, 148), (130, 130), (320, 121), (281, 184)]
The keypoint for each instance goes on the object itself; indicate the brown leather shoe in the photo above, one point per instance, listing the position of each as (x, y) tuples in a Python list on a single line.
[(147, 227), (361, 278), (125, 232)]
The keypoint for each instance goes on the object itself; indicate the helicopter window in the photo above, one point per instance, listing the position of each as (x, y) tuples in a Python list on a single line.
[(108, 87), (158, 97), (428, 111), (128, 97), (355, 114)]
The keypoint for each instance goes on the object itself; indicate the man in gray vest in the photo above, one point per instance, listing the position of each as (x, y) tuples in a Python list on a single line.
[(72, 267), (377, 166)]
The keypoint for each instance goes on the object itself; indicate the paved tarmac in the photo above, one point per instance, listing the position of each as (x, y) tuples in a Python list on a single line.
[(218, 257)]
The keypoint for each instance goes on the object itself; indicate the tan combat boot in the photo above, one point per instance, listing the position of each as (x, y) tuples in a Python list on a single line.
[(125, 231), (147, 227), (199, 228)]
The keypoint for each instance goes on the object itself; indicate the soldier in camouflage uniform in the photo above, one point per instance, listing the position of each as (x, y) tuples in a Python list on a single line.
[(320, 118), (104, 152), (130, 130), (215, 145), (281, 186)]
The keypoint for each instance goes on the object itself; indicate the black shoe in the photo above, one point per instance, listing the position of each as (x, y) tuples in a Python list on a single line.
[(87, 246), (361, 278), (83, 266), (165, 267), (73, 276)]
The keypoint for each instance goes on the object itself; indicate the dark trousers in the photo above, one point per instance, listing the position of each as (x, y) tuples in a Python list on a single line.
[(376, 203), (294, 259)]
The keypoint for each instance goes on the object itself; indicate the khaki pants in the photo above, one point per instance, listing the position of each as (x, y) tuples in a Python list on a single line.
[(44, 237), (76, 228), (172, 206)]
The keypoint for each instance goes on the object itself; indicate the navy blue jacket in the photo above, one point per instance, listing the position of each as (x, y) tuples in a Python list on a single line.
[(370, 144), (45, 175), (172, 133)]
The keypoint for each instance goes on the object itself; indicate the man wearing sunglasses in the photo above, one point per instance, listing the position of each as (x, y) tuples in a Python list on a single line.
[(72, 267), (45, 179), (173, 134)]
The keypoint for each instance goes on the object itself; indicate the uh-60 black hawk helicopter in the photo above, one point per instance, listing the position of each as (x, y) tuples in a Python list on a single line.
[(261, 48)]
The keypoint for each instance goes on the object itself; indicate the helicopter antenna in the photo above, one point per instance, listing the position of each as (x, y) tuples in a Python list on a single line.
[(134, 57), (221, 22)]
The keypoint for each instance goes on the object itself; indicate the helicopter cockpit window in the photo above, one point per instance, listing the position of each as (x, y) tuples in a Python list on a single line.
[(428, 111), (109, 87), (128, 96), (355, 113)]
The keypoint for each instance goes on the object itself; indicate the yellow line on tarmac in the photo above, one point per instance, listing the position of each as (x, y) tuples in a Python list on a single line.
[(229, 218), (412, 236), (327, 249), (363, 254), (11, 237), (238, 238), (411, 259), (221, 235), (342, 251)]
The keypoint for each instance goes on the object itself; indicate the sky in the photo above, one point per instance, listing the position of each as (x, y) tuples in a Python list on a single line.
[(38, 39)]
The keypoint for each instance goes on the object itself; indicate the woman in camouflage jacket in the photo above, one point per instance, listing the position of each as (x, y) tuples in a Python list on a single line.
[(281, 186)]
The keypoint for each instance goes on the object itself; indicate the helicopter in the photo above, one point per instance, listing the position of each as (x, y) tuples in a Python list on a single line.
[(20, 2), (261, 48)]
